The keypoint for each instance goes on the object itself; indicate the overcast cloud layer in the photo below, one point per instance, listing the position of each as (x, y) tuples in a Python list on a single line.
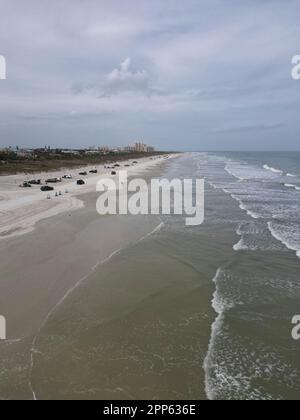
[(190, 75)]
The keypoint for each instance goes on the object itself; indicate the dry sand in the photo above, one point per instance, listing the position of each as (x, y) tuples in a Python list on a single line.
[(22, 208)]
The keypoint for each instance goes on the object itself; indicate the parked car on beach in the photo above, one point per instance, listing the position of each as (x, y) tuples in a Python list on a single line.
[(80, 182), (25, 185), (53, 180), (35, 182), (47, 188)]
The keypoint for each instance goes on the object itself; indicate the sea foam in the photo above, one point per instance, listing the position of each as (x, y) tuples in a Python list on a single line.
[(220, 306), (274, 170), (283, 235)]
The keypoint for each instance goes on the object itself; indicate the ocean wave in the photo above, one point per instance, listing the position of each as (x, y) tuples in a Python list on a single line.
[(258, 243), (231, 172), (155, 230), (265, 202), (244, 207), (248, 228), (241, 246), (246, 172), (288, 235), (234, 363), (274, 170), (296, 187), (220, 306)]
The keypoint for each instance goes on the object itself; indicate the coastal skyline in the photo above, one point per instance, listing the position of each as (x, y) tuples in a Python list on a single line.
[(209, 75)]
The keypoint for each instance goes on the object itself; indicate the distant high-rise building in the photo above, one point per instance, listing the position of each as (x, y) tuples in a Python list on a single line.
[(143, 148)]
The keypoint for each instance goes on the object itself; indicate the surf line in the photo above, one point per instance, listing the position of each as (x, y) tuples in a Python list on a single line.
[(220, 308)]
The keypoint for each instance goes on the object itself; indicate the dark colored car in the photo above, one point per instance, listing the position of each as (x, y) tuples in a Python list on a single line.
[(25, 185), (93, 171), (80, 182), (47, 188), (53, 180), (113, 173), (82, 173), (35, 182)]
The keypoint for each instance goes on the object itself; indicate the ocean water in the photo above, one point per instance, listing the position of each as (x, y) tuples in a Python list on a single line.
[(191, 312)]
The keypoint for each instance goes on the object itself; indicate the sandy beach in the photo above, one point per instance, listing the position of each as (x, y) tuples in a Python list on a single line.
[(48, 247), (22, 208)]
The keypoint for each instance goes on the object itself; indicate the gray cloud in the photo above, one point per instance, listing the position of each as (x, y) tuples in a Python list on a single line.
[(198, 74), (123, 78), (254, 128), (120, 79)]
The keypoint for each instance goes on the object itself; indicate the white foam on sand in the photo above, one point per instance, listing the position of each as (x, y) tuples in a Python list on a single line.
[(220, 307), (155, 230), (240, 246)]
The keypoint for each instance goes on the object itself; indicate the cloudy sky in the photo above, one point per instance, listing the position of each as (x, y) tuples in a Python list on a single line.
[(190, 75)]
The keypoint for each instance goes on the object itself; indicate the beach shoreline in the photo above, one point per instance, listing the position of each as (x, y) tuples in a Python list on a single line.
[(50, 255)]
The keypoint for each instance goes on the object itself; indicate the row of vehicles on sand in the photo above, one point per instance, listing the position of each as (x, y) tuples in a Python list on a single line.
[(47, 187), (29, 184)]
